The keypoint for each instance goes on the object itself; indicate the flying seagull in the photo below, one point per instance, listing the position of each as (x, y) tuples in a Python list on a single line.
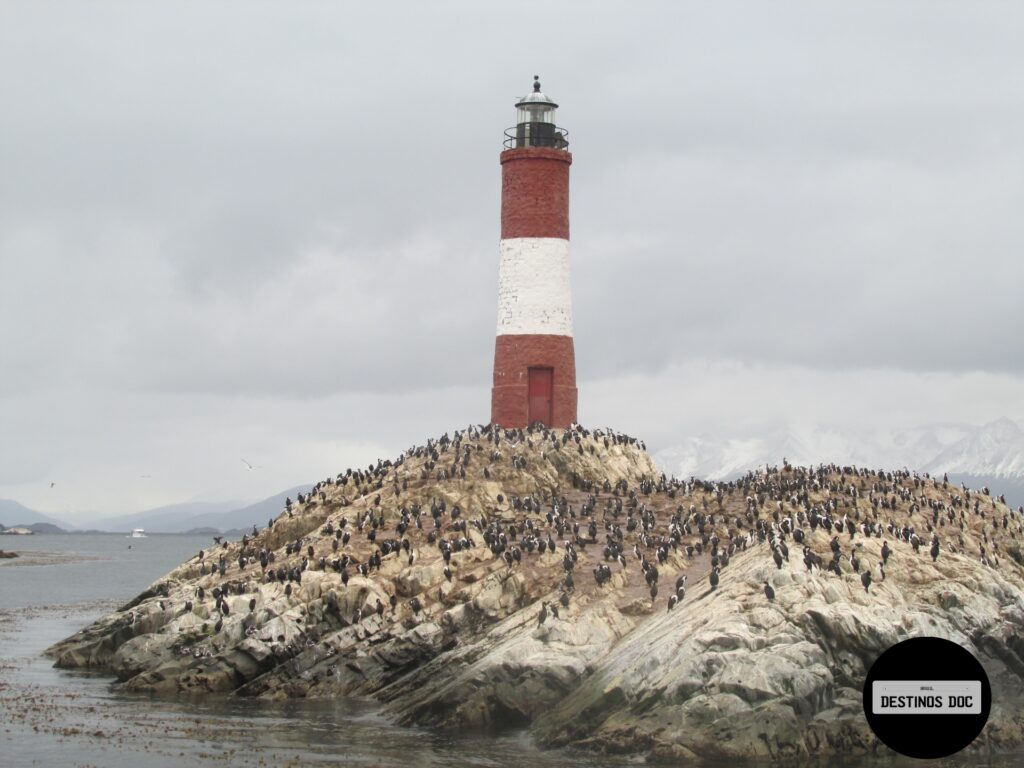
[(249, 466)]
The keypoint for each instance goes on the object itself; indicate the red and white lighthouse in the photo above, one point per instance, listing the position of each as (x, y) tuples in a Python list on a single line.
[(534, 359)]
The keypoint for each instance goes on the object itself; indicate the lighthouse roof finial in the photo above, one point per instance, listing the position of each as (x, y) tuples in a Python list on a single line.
[(537, 97)]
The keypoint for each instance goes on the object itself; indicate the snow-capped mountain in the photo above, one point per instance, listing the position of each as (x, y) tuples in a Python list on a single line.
[(991, 455), (996, 450)]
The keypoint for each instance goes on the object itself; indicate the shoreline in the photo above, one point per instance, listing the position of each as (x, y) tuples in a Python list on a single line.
[(46, 557), (76, 718), (503, 579)]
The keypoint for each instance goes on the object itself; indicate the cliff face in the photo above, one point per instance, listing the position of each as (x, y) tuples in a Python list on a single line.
[(446, 628)]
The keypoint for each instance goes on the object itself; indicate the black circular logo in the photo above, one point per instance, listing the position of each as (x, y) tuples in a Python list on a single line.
[(927, 697)]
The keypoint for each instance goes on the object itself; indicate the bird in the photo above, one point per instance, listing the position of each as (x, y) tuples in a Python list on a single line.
[(543, 614), (778, 509), (52, 484), (865, 579), (250, 467)]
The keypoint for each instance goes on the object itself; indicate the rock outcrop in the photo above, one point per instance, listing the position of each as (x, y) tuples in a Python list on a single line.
[(530, 579)]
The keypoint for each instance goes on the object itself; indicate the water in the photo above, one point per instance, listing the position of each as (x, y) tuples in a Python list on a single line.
[(56, 717), (73, 569), (50, 716)]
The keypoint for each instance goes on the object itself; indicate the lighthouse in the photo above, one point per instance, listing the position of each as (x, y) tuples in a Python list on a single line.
[(534, 359)]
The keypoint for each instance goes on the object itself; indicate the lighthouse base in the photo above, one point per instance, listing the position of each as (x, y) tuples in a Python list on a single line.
[(534, 380)]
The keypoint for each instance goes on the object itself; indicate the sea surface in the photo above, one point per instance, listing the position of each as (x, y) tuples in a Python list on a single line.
[(55, 717)]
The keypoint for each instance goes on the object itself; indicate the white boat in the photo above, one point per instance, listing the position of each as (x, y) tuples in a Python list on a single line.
[(138, 533)]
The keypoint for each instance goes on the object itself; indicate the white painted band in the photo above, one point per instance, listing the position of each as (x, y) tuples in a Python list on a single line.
[(534, 294)]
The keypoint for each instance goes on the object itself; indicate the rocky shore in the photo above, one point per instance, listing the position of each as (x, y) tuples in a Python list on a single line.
[(530, 579)]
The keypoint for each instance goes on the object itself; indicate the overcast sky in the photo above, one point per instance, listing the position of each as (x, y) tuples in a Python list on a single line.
[(269, 230)]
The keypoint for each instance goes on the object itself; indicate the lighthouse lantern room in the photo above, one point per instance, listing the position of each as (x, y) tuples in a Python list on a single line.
[(535, 122), (534, 358)]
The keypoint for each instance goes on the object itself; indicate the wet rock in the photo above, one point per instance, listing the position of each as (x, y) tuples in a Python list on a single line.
[(456, 638), (141, 653)]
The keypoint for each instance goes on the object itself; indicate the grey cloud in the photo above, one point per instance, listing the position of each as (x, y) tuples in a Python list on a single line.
[(301, 204)]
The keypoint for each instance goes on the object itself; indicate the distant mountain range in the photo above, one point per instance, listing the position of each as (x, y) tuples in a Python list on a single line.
[(200, 516), (172, 518), (995, 450), (222, 517), (14, 515), (254, 514), (990, 455)]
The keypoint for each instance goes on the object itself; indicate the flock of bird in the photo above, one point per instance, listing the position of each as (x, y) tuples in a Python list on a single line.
[(402, 508)]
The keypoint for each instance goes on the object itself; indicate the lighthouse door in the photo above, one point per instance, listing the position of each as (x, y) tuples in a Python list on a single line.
[(540, 389)]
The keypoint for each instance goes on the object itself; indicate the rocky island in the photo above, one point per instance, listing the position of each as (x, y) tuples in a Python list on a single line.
[(556, 581)]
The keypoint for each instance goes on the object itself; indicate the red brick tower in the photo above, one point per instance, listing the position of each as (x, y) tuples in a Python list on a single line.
[(534, 360)]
